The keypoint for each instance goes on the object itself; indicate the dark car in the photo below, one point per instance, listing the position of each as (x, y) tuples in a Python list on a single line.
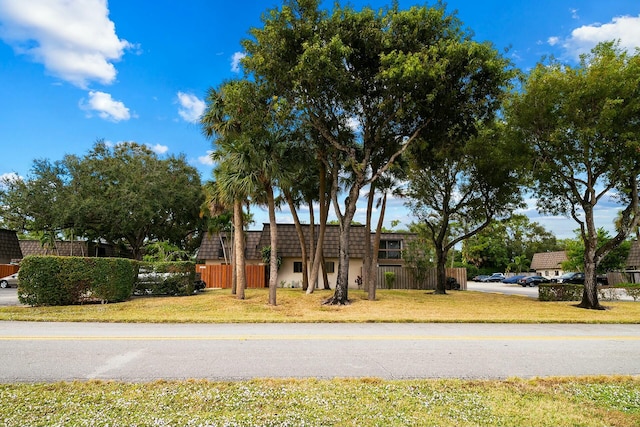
[(578, 279), (575, 278), (513, 279), (495, 277), (532, 281)]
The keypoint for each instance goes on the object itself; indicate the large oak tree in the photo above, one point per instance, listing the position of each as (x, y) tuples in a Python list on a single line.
[(370, 82), (581, 125), (122, 194)]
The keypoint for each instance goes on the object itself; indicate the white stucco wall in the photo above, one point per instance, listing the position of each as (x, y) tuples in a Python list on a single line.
[(288, 278)]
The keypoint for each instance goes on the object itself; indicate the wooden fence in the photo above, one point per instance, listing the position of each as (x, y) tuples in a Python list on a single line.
[(404, 278), (220, 276), (8, 269)]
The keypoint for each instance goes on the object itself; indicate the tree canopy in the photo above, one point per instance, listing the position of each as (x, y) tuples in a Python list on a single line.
[(371, 83), (580, 127), (121, 194)]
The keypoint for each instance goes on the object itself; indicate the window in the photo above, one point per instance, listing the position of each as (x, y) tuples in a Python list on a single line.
[(390, 249), (330, 267), (297, 267)]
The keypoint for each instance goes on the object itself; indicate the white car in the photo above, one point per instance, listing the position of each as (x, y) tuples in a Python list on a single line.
[(9, 281)]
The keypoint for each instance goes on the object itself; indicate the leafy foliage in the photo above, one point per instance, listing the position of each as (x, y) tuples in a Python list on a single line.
[(120, 194), (580, 126), (50, 280)]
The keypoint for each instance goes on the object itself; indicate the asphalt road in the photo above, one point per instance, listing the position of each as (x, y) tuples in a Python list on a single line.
[(46, 352)]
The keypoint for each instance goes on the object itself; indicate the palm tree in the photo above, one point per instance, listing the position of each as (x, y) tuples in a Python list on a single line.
[(252, 132)]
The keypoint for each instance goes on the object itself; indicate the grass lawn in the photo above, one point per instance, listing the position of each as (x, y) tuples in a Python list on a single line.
[(219, 306), (594, 401), (589, 401)]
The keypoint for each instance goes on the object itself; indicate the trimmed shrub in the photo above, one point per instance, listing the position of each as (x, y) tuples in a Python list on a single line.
[(165, 278), (559, 292), (53, 280)]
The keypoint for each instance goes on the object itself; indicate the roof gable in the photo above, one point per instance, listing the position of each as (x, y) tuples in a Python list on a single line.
[(9, 246), (633, 260), (551, 260)]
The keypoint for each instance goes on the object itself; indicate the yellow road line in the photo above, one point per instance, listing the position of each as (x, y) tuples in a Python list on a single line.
[(326, 338)]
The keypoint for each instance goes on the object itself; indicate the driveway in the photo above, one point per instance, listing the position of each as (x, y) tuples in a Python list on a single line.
[(503, 288), (9, 296)]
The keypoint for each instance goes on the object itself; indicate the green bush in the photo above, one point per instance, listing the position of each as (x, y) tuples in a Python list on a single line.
[(389, 279), (52, 280), (559, 292), (165, 278)]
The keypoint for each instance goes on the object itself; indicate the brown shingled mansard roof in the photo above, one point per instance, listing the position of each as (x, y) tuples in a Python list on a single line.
[(548, 260), (9, 246), (289, 245), (633, 260)]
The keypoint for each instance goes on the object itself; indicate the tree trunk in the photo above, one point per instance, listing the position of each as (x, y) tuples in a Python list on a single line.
[(324, 214), (301, 239), (273, 261), (367, 262), (441, 271), (325, 277), (341, 294), (371, 295), (590, 292), (312, 245), (238, 225)]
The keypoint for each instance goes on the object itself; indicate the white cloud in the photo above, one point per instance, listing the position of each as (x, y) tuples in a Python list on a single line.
[(73, 39), (553, 40), (158, 149), (626, 29), (9, 177), (206, 160), (235, 61), (106, 107), (191, 107)]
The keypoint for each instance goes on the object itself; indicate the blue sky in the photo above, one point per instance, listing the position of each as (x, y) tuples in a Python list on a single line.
[(75, 71)]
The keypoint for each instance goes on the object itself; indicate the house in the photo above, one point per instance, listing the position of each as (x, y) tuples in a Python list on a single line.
[(9, 247), (548, 264), (216, 249), (633, 260), (70, 248)]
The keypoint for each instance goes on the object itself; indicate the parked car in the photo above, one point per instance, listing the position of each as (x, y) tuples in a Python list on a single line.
[(532, 281), (495, 277), (9, 281), (513, 279), (578, 279), (570, 277), (479, 278)]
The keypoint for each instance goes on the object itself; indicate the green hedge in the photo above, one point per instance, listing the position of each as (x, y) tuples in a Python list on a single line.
[(571, 292), (52, 280), (559, 292), (165, 278)]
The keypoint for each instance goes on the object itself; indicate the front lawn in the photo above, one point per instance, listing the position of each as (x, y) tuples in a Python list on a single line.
[(219, 306)]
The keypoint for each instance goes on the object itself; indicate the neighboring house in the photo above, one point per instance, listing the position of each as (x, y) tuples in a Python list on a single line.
[(548, 264), (67, 248), (216, 249), (9, 247), (633, 260)]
